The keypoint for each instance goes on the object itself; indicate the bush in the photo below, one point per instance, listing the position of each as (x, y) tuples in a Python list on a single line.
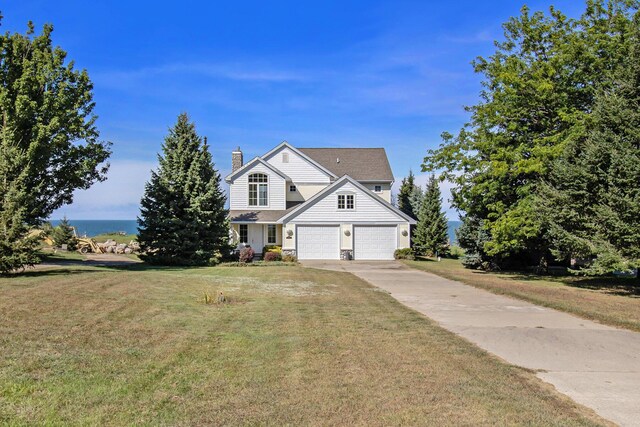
[(289, 258), (272, 256), (271, 248), (246, 255), (456, 252), (406, 253)]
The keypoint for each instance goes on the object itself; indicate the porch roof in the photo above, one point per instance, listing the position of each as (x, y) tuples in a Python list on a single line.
[(257, 216)]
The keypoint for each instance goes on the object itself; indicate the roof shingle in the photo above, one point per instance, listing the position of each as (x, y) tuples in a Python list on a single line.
[(361, 164)]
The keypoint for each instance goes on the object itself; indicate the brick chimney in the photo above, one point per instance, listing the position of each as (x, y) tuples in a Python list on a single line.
[(236, 159)]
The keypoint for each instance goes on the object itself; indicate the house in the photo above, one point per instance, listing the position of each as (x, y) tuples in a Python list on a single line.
[(317, 203)]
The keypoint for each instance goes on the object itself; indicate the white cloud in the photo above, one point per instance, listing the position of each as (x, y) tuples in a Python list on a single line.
[(116, 198)]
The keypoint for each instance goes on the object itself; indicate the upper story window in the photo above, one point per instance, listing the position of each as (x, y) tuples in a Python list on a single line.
[(285, 157), (258, 189), (377, 188), (346, 201), (292, 188)]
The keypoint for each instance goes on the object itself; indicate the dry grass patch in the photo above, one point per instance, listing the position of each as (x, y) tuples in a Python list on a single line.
[(138, 346), (611, 301)]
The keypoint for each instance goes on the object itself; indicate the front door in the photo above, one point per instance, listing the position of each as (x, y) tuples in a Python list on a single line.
[(256, 237)]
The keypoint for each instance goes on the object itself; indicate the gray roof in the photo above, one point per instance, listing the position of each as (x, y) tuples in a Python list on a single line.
[(362, 164), (261, 216)]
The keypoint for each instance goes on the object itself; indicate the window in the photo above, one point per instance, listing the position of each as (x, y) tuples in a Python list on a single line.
[(292, 188), (377, 188), (258, 189), (285, 157), (271, 234), (345, 201), (244, 233)]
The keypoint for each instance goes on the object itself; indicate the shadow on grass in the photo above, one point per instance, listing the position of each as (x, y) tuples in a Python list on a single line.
[(628, 287)]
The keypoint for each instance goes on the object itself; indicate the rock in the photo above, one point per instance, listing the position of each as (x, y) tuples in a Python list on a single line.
[(128, 250)]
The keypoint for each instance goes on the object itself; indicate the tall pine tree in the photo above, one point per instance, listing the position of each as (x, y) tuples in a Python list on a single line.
[(407, 190), (182, 217), (431, 236), (593, 199), (17, 248)]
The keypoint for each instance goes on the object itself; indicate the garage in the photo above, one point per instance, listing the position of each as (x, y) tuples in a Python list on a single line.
[(374, 241), (318, 241)]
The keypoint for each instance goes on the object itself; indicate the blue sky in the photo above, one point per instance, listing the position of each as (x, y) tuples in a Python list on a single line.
[(391, 74)]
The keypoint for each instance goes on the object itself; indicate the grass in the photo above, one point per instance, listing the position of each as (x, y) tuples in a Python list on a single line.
[(611, 301), (136, 345), (118, 238), (53, 255)]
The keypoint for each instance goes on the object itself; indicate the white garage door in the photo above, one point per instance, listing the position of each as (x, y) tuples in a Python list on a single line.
[(318, 241), (374, 241)]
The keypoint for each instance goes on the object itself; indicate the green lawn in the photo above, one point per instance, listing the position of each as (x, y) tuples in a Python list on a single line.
[(297, 346), (611, 301), (118, 238)]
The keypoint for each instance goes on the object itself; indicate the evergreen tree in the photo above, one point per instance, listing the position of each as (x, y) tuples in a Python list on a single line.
[(63, 235), (538, 93), (431, 236), (183, 220), (416, 198), (407, 190), (592, 201), (46, 108), (17, 248)]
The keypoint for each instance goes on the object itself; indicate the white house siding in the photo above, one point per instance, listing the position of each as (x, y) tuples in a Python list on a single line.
[(298, 169), (366, 209), (239, 190), (386, 189), (304, 192)]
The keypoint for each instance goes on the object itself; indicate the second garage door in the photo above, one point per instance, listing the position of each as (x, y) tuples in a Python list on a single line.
[(318, 241), (374, 241)]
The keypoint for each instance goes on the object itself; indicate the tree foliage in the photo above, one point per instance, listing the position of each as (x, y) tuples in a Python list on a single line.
[(431, 236), (46, 109), (407, 190), (64, 234), (183, 220), (592, 199), (538, 93), (17, 248)]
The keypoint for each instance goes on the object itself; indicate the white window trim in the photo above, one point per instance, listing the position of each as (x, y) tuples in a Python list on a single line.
[(257, 184), (240, 233), (275, 234)]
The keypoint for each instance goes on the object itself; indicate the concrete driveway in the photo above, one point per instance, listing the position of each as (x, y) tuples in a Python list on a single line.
[(596, 365)]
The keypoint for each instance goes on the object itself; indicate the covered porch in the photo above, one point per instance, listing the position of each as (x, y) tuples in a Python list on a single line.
[(256, 235)]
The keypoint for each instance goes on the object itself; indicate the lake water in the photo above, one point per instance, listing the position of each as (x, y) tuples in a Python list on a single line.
[(91, 227)]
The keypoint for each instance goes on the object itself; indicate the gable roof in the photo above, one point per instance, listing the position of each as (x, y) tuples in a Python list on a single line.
[(362, 164), (250, 164), (301, 154), (346, 178)]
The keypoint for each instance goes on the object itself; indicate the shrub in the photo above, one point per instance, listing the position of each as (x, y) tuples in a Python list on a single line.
[(456, 252), (272, 256), (246, 255), (289, 258), (271, 248), (406, 253)]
